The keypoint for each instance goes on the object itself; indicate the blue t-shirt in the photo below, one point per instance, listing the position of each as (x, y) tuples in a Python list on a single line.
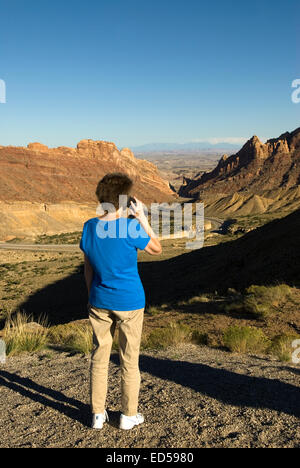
[(111, 247)]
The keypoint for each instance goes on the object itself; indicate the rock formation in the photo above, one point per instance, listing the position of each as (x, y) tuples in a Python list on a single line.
[(52, 175), (255, 168), (52, 190)]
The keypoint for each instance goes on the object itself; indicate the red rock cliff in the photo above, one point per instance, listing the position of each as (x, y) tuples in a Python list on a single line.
[(51, 175)]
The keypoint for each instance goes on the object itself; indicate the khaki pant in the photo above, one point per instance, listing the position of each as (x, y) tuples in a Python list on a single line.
[(130, 331)]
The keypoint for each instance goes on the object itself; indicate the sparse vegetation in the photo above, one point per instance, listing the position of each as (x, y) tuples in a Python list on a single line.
[(200, 338), (75, 337), (152, 310), (22, 335), (259, 301), (174, 334), (281, 347), (246, 223), (82, 341), (65, 238), (53, 283), (245, 340), (196, 299)]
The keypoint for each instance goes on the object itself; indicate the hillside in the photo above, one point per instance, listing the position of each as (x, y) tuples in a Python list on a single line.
[(52, 175), (245, 203), (265, 256), (52, 190), (257, 167)]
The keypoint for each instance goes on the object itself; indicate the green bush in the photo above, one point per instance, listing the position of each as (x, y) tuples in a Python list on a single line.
[(245, 340), (153, 310), (281, 347), (199, 338), (259, 301), (175, 334)]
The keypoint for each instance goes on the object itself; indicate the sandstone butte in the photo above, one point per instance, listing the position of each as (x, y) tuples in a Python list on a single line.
[(257, 167), (51, 175), (52, 190)]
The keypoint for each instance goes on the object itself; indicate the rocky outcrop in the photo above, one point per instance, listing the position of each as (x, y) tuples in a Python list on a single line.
[(53, 175), (27, 219), (256, 167)]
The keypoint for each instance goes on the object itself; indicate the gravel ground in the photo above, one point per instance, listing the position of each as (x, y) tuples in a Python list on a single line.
[(191, 397)]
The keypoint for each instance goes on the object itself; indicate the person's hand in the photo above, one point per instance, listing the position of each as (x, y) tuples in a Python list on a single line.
[(137, 209)]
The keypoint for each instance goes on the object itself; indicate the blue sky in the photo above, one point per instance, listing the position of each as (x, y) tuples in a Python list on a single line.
[(135, 72)]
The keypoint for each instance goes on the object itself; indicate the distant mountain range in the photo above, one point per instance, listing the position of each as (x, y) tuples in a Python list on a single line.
[(185, 147)]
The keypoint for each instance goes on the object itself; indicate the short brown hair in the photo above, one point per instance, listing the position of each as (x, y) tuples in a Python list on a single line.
[(112, 186)]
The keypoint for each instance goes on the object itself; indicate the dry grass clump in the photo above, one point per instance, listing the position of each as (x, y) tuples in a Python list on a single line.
[(153, 310), (282, 348), (22, 335), (245, 340), (202, 298), (74, 337), (260, 301), (175, 334)]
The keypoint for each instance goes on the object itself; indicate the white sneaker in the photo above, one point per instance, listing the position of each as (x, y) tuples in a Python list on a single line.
[(128, 422), (99, 420)]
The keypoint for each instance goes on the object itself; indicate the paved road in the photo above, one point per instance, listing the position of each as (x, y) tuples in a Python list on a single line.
[(216, 226), (41, 247)]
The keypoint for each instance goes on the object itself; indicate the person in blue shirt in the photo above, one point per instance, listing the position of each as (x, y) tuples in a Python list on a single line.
[(110, 243)]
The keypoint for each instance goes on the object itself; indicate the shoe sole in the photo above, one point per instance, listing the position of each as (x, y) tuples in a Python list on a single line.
[(129, 428), (97, 428)]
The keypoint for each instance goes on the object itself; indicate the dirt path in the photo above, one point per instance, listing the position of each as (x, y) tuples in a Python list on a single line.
[(190, 396)]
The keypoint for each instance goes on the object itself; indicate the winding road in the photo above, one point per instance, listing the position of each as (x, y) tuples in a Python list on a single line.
[(217, 226)]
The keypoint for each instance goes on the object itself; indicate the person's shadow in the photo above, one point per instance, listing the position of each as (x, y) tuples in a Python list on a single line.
[(225, 386), (48, 397)]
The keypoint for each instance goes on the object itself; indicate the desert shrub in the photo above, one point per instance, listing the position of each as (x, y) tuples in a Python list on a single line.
[(22, 335), (199, 338), (175, 334), (259, 301), (82, 341), (75, 337), (64, 238), (5, 312), (274, 295), (245, 340), (201, 298), (152, 310), (247, 306), (281, 347), (197, 299)]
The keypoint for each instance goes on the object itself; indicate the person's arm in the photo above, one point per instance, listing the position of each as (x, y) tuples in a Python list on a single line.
[(88, 273), (154, 246)]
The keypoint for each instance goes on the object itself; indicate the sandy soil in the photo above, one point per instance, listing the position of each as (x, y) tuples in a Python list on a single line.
[(191, 397)]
